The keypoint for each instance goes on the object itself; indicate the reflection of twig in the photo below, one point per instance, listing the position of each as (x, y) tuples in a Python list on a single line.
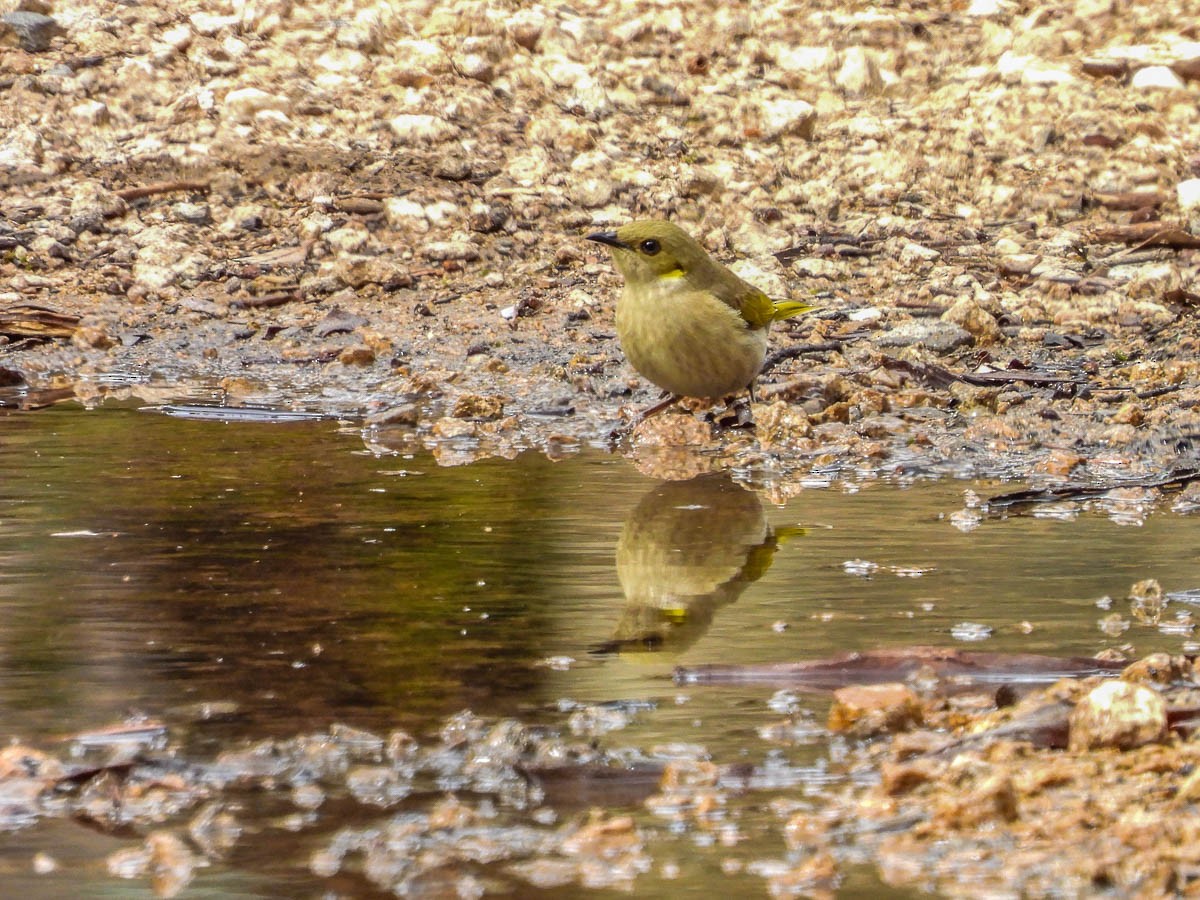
[(161, 187)]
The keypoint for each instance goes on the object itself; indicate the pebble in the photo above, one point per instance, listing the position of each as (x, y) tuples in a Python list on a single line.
[(419, 128), (1188, 193), (938, 336), (192, 213), (401, 212), (417, 62), (209, 24), (874, 709), (31, 31), (443, 250), (783, 117), (244, 104), (859, 74), (356, 271), (913, 252), (91, 112), (20, 148), (974, 319), (1118, 714), (1156, 78)]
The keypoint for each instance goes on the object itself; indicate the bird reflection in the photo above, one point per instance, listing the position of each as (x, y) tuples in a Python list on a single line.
[(687, 549)]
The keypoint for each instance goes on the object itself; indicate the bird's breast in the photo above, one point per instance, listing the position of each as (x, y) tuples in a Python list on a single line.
[(688, 342)]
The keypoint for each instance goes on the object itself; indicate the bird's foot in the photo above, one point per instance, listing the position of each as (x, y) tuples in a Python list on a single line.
[(735, 414)]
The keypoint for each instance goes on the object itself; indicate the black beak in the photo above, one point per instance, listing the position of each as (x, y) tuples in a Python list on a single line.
[(610, 238)]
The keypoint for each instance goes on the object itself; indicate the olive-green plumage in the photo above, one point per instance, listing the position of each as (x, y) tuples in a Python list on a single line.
[(686, 322)]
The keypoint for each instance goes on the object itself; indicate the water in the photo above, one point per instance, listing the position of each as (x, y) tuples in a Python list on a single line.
[(151, 563)]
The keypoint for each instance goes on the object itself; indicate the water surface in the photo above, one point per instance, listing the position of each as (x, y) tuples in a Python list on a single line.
[(150, 563)]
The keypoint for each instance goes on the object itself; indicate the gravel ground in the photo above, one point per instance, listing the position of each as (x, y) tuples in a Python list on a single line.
[(378, 210)]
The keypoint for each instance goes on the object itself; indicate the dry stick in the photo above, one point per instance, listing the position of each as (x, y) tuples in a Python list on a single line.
[(265, 301), (160, 187), (786, 353)]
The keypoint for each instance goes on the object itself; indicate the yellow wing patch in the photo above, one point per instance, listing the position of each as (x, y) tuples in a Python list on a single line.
[(759, 310)]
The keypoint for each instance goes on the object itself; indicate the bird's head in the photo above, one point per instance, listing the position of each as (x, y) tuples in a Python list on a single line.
[(650, 250)]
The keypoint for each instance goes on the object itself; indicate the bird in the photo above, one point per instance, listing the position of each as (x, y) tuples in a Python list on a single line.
[(687, 323), (687, 549)]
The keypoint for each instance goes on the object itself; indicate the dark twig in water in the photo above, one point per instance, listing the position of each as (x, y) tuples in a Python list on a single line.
[(1176, 480)]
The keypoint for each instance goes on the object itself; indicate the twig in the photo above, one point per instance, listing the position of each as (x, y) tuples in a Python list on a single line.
[(785, 353), (161, 187), (266, 301)]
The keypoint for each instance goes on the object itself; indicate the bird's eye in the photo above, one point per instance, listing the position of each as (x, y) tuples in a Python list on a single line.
[(650, 246)]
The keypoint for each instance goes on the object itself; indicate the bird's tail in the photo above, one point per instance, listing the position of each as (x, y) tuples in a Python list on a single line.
[(786, 309)]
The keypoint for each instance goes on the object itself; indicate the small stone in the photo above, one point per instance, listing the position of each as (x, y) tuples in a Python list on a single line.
[(91, 112), (92, 337), (192, 213), (591, 192), (1018, 263), (1157, 668), (1014, 68), (982, 8), (415, 128), (477, 66), (1188, 193), (1118, 714), (44, 863), (443, 250), (478, 407), (404, 414), (357, 356), (341, 61), (1128, 414), (244, 104), (402, 212), (356, 271), (308, 796), (209, 24), (21, 147), (417, 62), (1156, 78), (975, 320), (781, 117), (938, 336), (859, 73), (901, 777), (487, 218), (913, 252), (31, 31), (874, 709), (525, 26)]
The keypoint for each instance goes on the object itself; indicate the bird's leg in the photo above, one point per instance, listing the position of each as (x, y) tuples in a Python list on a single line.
[(658, 407), (622, 430)]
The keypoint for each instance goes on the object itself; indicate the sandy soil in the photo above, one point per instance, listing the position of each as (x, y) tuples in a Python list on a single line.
[(379, 210)]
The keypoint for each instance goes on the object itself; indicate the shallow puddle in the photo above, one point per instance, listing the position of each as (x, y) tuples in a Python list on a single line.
[(244, 580)]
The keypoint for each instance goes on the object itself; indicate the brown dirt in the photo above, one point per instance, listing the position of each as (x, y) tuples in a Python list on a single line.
[(385, 203)]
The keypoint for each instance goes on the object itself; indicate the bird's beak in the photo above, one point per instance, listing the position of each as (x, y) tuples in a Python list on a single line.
[(610, 238)]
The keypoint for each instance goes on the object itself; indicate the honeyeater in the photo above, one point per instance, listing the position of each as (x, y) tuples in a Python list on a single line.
[(686, 322)]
